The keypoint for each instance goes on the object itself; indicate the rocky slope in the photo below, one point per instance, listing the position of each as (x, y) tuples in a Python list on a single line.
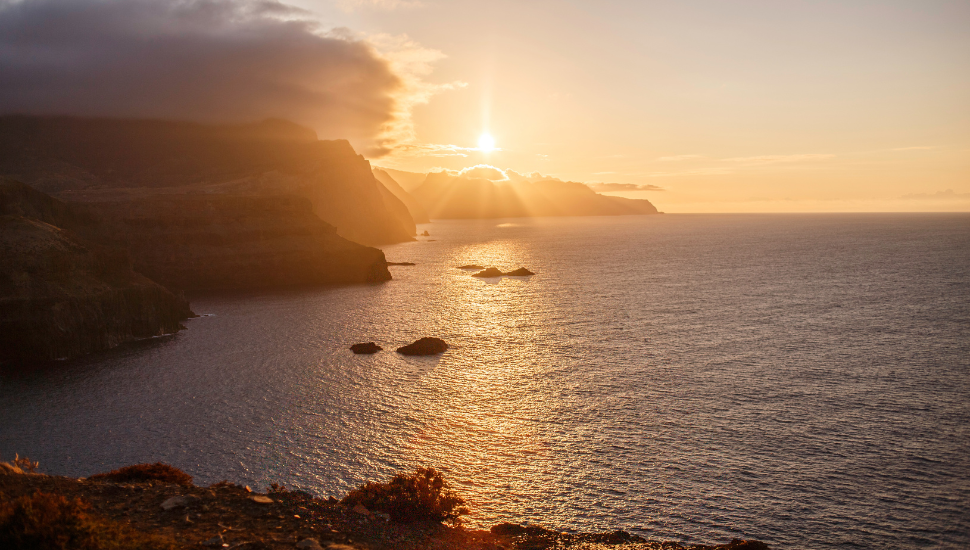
[(61, 297), (66, 154), (448, 196), (207, 242), (227, 515)]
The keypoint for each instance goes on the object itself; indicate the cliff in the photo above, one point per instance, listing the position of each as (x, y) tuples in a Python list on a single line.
[(73, 276), (206, 242), (418, 213), (61, 297), (448, 196), (67, 155)]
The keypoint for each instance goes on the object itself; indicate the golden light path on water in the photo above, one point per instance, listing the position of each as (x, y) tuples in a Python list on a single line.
[(487, 420)]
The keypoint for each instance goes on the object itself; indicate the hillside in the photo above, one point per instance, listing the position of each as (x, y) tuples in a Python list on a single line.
[(445, 195), (68, 155), (62, 297), (418, 213)]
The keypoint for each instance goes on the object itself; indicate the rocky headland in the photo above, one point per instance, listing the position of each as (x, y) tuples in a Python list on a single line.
[(83, 277), (62, 297), (96, 159), (445, 195), (168, 512), (218, 242)]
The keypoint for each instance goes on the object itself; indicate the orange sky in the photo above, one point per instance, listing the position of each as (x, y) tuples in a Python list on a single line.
[(742, 106)]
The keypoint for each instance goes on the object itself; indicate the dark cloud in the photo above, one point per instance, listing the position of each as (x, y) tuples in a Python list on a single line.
[(612, 187), (201, 60)]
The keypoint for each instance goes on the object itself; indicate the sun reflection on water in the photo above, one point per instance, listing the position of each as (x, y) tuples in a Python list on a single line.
[(484, 419)]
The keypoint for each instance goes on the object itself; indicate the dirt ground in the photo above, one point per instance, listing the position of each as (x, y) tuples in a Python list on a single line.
[(249, 521)]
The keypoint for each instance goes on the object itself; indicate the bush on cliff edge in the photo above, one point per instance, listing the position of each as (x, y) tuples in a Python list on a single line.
[(142, 473), (421, 496)]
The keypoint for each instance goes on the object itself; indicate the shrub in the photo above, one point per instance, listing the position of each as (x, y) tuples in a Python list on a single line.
[(140, 473), (421, 496), (25, 463), (51, 522)]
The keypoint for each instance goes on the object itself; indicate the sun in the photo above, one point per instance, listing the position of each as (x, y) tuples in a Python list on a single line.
[(486, 143)]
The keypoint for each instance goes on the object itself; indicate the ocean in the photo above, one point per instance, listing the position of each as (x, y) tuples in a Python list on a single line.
[(799, 379)]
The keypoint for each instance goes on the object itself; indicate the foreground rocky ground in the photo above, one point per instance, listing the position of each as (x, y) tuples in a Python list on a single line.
[(226, 515)]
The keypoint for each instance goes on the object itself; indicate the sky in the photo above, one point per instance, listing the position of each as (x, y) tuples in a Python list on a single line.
[(698, 106)]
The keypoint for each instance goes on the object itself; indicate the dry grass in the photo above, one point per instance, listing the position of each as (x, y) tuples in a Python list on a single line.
[(25, 463)]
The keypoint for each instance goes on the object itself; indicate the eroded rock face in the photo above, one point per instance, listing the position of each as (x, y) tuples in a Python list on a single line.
[(365, 349), (424, 346), (72, 156), (61, 297), (202, 242)]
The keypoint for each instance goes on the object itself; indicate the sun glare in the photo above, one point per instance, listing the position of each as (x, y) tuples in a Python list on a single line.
[(486, 143)]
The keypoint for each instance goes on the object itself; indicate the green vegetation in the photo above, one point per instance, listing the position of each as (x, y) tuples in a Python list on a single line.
[(140, 473), (46, 521), (421, 496)]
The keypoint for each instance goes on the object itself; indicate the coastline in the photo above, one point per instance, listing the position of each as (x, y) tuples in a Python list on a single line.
[(227, 515)]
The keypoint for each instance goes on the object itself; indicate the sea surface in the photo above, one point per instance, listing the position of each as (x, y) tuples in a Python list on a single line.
[(799, 379)]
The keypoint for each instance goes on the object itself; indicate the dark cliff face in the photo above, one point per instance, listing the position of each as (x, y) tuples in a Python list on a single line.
[(205, 242), (73, 276), (447, 196), (62, 297), (66, 154)]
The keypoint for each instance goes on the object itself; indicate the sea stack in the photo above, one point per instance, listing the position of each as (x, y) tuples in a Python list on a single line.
[(424, 346)]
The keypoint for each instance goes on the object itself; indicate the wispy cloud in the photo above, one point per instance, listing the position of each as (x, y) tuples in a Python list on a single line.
[(412, 63), (616, 187), (431, 150), (353, 5), (918, 148), (948, 195), (678, 158), (694, 172), (778, 159)]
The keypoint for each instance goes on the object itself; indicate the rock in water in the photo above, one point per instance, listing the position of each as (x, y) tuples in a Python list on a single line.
[(424, 346), (426, 234), (490, 272), (521, 272), (368, 348), (472, 266)]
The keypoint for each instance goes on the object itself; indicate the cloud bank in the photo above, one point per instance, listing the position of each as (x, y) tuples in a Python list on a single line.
[(201, 60), (948, 195), (613, 187)]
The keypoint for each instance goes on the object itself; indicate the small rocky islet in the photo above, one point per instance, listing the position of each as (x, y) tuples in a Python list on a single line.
[(366, 348), (491, 272), (423, 346)]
